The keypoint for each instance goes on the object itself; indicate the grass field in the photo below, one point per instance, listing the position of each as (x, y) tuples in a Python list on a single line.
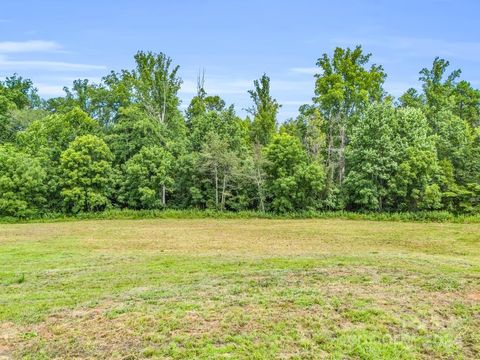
[(252, 289)]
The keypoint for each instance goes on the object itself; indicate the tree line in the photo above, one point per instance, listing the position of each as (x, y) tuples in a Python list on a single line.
[(125, 143)]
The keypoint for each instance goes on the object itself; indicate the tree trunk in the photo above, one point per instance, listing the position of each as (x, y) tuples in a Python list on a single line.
[(341, 155), (216, 186), (163, 196), (330, 166), (223, 192), (260, 191)]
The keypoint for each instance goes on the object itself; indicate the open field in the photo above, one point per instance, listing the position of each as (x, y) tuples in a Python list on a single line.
[(254, 288)]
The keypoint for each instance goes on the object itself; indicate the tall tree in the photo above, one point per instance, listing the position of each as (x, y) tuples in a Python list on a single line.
[(291, 182), (372, 158), (132, 131), (22, 183), (155, 85), (344, 87), (19, 105), (86, 168), (220, 163), (264, 111), (48, 137), (148, 175), (413, 186)]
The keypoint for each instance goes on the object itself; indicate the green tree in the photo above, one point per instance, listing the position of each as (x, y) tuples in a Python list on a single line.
[(100, 101), (220, 164), (224, 123), (264, 111), (19, 104), (201, 103), (132, 131), (344, 88), (155, 85), (372, 158), (148, 175), (309, 128), (86, 169), (417, 165), (442, 91), (22, 183), (20, 91), (47, 138), (292, 184), (392, 161)]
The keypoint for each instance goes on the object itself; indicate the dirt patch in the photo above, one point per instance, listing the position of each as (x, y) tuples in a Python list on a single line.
[(8, 332), (473, 296)]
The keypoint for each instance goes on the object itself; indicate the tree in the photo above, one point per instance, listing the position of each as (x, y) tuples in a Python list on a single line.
[(372, 158), (6, 128), (224, 123), (264, 111), (292, 184), (19, 104), (343, 88), (100, 101), (54, 133), (132, 131), (255, 170), (20, 92), (47, 138), (417, 164), (22, 183), (467, 103), (148, 175), (392, 161), (86, 169), (309, 128), (442, 91), (155, 85), (219, 162), (201, 103)]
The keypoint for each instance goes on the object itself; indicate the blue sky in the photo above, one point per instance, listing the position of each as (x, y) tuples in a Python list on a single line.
[(55, 42)]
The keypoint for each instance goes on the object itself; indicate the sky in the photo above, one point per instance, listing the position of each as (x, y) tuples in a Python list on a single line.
[(55, 42)]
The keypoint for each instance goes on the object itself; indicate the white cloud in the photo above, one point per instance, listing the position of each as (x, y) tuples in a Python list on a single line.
[(305, 70), (28, 46), (412, 46), (16, 65), (47, 90)]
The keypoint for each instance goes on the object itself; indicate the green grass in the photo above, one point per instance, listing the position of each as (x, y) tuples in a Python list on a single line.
[(127, 214), (240, 288)]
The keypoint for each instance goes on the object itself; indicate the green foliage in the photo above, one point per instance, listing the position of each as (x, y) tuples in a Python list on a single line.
[(131, 132), (417, 163), (392, 161), (148, 173), (21, 183), (372, 158), (344, 88), (155, 85), (292, 183), (86, 169), (125, 143), (47, 138), (219, 163), (264, 111)]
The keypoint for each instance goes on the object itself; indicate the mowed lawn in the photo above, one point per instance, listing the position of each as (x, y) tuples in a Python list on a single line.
[(240, 289)]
